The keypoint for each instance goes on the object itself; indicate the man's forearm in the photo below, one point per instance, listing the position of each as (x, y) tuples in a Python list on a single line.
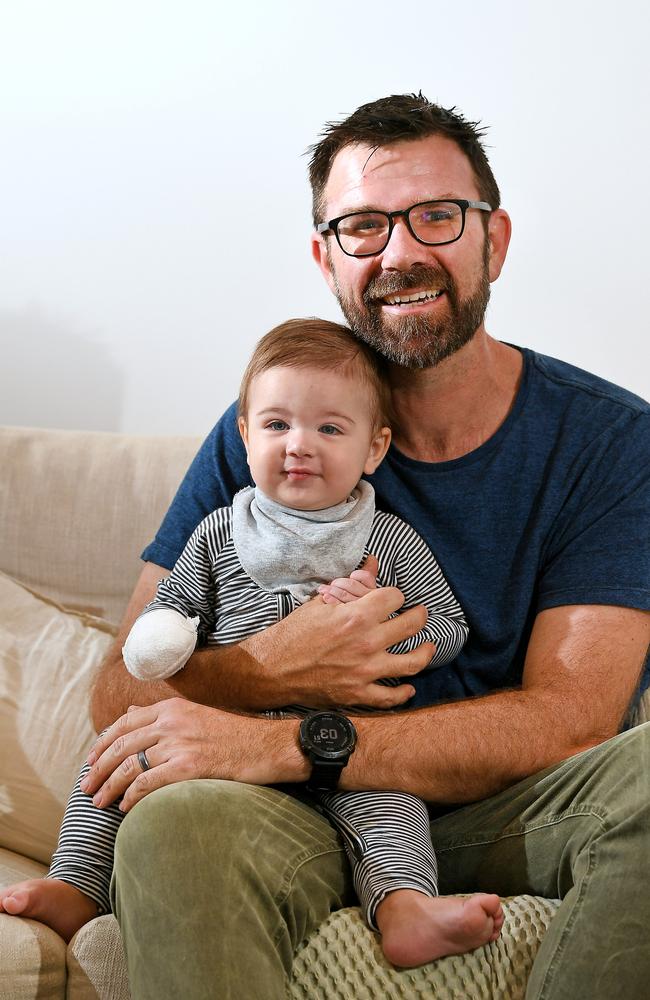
[(320, 655), (460, 752), (454, 753), (570, 700), (229, 677), (115, 689), (200, 681)]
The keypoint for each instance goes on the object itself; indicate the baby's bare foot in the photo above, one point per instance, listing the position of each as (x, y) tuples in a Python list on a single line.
[(416, 928), (52, 902)]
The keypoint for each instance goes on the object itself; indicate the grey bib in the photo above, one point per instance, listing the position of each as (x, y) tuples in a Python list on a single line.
[(282, 549)]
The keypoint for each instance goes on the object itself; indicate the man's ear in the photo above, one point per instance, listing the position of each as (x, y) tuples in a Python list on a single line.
[(499, 232), (322, 258), (378, 448), (241, 424)]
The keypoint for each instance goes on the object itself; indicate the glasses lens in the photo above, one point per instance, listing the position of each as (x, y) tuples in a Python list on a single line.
[(436, 221), (363, 233)]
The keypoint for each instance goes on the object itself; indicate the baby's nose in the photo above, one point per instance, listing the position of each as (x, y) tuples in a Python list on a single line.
[(299, 443)]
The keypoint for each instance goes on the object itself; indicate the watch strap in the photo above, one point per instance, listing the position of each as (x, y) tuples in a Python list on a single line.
[(325, 774)]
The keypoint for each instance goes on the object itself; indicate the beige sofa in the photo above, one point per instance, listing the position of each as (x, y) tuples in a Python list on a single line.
[(75, 510)]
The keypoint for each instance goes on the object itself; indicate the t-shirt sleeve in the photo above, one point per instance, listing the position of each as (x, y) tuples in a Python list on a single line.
[(599, 550), (217, 472)]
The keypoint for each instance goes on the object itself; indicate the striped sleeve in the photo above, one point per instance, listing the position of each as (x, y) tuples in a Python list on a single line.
[(191, 587), (387, 837), (406, 562)]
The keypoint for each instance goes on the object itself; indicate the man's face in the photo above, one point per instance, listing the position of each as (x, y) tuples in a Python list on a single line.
[(451, 283)]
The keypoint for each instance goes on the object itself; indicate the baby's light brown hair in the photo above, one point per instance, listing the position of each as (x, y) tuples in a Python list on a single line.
[(318, 343)]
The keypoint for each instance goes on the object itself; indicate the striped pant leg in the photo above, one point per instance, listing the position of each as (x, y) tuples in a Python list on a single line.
[(388, 840), (84, 854)]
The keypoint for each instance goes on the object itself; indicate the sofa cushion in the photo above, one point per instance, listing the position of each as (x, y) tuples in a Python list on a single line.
[(48, 657), (77, 508), (342, 960), (32, 957), (96, 962)]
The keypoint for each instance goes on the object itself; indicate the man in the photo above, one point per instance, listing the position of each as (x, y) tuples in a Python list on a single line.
[(529, 479)]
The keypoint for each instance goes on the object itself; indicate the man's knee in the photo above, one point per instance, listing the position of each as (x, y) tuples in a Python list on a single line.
[(627, 753), (613, 776), (197, 843), (628, 760), (227, 822), (202, 813)]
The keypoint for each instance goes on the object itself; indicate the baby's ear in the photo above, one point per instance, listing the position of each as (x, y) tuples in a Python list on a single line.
[(241, 424), (378, 448)]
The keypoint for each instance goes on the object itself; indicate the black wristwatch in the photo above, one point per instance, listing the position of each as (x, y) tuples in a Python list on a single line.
[(328, 739)]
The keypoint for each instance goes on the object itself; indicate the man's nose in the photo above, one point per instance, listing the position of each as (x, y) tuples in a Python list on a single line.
[(403, 250)]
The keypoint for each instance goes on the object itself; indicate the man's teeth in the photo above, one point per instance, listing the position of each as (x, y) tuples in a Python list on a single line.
[(396, 300)]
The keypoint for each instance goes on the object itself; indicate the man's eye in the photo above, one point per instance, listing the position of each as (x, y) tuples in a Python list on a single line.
[(358, 225), (277, 425), (440, 215), (329, 429)]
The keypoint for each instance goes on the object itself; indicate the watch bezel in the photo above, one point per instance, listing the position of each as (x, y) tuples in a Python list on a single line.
[(309, 746)]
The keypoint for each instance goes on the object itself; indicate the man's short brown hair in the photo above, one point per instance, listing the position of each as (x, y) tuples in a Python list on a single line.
[(318, 343), (400, 118)]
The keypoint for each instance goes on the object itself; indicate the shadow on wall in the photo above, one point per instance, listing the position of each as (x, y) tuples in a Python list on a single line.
[(53, 377)]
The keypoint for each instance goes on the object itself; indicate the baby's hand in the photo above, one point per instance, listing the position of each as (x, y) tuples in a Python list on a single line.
[(352, 587)]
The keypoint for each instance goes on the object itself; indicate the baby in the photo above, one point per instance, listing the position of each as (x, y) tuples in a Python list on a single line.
[(313, 411)]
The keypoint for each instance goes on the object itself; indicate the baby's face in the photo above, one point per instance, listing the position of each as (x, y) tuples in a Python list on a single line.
[(309, 436)]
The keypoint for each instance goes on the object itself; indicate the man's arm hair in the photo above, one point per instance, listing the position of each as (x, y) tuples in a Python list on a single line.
[(115, 689), (582, 669), (320, 655), (581, 672)]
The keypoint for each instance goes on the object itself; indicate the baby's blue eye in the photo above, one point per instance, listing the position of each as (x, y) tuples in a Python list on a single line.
[(277, 425), (329, 429)]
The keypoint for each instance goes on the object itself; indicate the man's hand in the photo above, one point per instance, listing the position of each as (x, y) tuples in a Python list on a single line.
[(350, 588), (183, 740), (327, 655), (321, 655)]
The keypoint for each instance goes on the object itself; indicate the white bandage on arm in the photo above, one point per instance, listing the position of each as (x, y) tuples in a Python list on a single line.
[(159, 644)]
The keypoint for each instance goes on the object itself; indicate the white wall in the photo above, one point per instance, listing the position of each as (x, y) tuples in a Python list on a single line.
[(136, 132)]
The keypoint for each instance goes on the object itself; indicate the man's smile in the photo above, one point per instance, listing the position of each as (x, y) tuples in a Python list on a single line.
[(410, 299), (414, 291)]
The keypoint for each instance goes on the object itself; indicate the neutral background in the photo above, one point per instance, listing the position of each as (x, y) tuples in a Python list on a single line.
[(154, 210)]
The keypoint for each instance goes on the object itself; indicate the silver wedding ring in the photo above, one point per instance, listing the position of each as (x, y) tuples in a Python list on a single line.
[(143, 760)]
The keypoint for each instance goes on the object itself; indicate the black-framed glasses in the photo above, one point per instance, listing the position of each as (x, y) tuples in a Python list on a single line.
[(433, 223)]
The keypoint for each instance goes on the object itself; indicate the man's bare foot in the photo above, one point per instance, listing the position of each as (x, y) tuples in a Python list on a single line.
[(53, 902), (416, 928)]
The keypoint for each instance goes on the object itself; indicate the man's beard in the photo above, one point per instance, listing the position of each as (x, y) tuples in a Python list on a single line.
[(417, 341)]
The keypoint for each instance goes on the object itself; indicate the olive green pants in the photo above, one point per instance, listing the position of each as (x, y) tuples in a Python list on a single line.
[(216, 883)]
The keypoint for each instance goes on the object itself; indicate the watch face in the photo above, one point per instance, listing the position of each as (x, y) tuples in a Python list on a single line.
[(328, 733)]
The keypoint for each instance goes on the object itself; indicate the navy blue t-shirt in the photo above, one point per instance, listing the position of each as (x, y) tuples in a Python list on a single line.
[(552, 510)]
